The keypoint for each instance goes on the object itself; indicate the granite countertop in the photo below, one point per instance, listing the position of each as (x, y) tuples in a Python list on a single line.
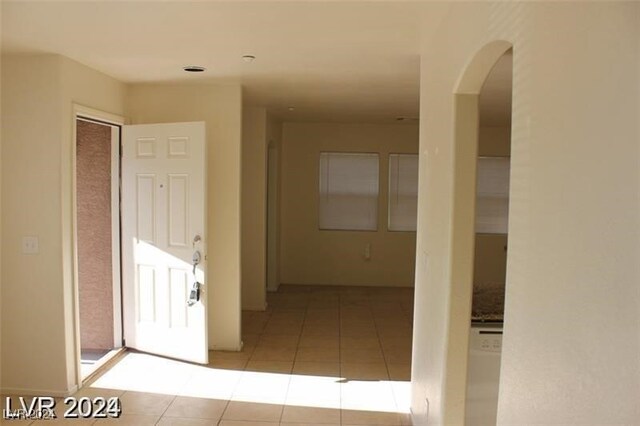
[(488, 304)]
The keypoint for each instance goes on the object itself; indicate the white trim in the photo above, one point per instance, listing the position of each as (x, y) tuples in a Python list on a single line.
[(81, 111), (104, 363), (39, 392), (74, 248), (115, 236), (84, 111)]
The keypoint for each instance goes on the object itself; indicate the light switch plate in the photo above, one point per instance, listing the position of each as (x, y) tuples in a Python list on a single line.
[(30, 245)]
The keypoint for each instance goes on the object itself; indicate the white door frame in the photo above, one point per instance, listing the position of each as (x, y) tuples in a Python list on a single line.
[(82, 112)]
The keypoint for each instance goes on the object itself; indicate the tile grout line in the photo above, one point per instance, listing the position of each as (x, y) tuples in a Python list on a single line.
[(246, 364), (244, 368), (225, 408), (260, 334), (174, 398), (386, 364), (166, 409), (293, 364)]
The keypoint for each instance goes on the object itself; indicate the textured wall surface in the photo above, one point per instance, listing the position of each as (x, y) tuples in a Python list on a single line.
[(94, 235)]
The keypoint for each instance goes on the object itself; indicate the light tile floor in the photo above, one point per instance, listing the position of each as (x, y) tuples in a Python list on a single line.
[(318, 356)]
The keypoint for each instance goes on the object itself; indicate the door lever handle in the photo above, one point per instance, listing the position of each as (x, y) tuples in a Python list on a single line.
[(197, 258), (194, 294)]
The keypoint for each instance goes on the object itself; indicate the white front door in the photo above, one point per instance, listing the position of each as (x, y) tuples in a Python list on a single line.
[(163, 233)]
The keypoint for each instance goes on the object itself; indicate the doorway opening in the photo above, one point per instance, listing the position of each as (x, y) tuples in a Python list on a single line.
[(463, 226), (491, 240), (97, 241)]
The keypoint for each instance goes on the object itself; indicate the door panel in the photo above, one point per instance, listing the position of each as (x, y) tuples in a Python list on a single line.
[(163, 211)]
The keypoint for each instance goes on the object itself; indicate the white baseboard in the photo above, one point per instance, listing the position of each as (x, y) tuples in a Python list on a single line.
[(38, 392), (227, 348), (258, 308)]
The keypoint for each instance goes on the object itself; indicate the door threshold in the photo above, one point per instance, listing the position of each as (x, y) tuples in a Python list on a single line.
[(106, 362)]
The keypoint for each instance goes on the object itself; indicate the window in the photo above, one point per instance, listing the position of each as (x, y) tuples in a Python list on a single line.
[(403, 192), (492, 202), (348, 191)]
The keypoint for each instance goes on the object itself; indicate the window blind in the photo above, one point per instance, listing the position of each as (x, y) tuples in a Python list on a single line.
[(348, 191)]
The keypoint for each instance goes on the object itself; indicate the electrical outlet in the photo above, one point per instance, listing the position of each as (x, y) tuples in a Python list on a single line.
[(30, 245)]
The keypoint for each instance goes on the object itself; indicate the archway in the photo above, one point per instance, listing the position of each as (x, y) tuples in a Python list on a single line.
[(462, 239)]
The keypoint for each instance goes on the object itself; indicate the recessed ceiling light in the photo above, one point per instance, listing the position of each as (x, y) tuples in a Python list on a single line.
[(291, 108), (194, 68), (248, 58)]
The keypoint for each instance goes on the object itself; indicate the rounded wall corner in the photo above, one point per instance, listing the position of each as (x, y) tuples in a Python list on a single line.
[(478, 68)]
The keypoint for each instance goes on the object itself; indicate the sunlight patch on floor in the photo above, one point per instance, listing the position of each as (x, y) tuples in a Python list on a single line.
[(151, 374)]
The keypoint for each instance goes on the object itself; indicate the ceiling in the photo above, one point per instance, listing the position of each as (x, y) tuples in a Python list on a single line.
[(331, 61)]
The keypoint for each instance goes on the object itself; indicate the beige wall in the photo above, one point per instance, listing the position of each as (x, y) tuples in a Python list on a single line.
[(37, 151), (254, 204), (37, 291), (311, 256), (221, 108), (572, 274)]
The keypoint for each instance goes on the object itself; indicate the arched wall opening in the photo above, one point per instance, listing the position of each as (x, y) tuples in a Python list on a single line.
[(462, 238)]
